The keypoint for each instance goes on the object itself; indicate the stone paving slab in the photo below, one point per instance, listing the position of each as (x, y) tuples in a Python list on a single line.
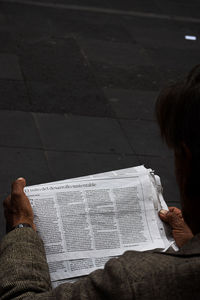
[(2, 19), (156, 33), (137, 5), (84, 134), (51, 74), (166, 7), (13, 95), (93, 3), (119, 54), (135, 77), (18, 129), (190, 28), (9, 67), (72, 97), (132, 104), (21, 162), (26, 21), (187, 9), (53, 60), (43, 22), (88, 25), (169, 58), (8, 43), (144, 136), (65, 165)]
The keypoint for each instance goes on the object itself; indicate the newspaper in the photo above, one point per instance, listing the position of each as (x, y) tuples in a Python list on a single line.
[(87, 220)]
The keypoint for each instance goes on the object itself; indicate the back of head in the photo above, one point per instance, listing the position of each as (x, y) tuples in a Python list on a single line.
[(178, 115)]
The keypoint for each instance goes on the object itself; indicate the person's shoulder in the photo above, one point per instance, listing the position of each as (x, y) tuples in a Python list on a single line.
[(153, 272)]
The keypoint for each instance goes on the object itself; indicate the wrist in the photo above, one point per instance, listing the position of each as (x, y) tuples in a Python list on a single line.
[(21, 225), (23, 220)]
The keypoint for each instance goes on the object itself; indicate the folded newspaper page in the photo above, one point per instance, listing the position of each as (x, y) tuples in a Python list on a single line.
[(85, 221)]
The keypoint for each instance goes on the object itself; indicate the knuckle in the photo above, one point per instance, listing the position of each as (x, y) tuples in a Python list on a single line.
[(16, 184), (176, 221), (168, 214), (171, 217), (172, 208), (16, 194)]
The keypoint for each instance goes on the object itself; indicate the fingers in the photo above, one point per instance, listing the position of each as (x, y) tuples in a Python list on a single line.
[(175, 210), (173, 217), (172, 209), (17, 207), (17, 190), (18, 187)]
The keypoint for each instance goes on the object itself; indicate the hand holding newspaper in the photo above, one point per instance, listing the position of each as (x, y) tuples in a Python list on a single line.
[(85, 221)]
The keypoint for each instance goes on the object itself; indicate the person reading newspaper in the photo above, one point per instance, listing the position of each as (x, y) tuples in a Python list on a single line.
[(134, 275)]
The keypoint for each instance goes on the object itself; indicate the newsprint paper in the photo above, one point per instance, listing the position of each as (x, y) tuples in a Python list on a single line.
[(85, 221)]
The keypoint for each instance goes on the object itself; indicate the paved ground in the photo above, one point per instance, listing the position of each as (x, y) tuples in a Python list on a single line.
[(78, 86)]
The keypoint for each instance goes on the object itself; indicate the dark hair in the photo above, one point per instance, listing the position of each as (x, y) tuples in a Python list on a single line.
[(178, 112), (178, 115)]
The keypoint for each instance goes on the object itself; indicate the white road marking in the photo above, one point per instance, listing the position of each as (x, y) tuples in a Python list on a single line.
[(104, 10), (190, 37)]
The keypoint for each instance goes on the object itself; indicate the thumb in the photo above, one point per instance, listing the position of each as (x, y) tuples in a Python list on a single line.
[(18, 186), (173, 218)]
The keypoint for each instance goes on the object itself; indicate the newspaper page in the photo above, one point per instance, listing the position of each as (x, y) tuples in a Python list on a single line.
[(86, 221)]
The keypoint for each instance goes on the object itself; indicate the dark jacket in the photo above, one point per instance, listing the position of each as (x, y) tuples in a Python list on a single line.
[(135, 275)]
